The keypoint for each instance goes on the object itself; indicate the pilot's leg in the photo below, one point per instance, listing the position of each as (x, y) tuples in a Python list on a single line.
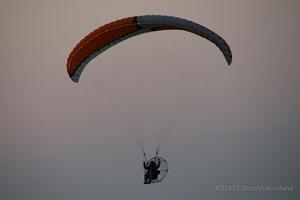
[(145, 179)]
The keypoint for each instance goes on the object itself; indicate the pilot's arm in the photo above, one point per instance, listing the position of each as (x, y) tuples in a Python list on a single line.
[(145, 166), (158, 164)]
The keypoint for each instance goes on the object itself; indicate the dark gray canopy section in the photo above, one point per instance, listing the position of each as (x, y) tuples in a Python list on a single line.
[(159, 22)]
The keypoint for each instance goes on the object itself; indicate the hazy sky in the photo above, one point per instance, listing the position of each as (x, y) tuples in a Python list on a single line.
[(237, 126)]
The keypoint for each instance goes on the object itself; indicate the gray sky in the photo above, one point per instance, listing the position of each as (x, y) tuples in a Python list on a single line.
[(237, 126)]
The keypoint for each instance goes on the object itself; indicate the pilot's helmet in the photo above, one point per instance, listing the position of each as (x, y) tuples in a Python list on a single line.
[(152, 164)]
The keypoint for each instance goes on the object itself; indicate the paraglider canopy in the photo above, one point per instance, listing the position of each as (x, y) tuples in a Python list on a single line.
[(115, 32)]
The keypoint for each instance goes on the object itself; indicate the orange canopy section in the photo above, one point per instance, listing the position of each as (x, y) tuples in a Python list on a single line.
[(98, 39)]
